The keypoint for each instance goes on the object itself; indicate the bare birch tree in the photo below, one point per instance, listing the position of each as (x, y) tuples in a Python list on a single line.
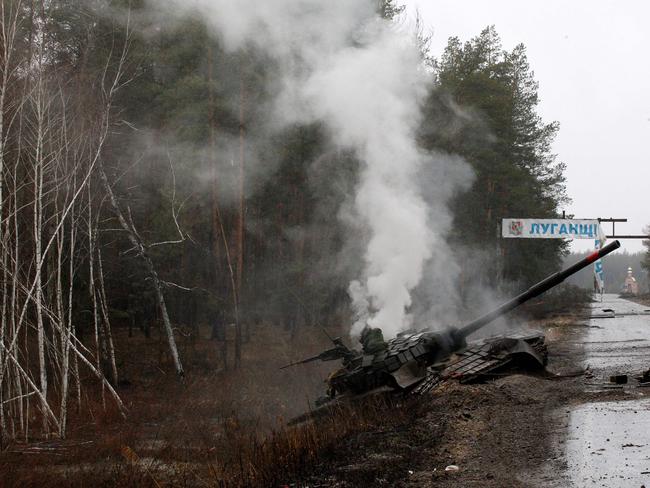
[(50, 150), (141, 250)]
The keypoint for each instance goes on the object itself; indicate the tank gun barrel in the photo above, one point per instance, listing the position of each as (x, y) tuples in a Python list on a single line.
[(339, 351), (537, 289)]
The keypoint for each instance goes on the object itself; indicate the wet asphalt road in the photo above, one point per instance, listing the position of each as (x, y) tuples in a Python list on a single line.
[(608, 443)]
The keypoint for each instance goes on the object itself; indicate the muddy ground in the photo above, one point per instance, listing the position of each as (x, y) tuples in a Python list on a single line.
[(507, 432), (642, 299)]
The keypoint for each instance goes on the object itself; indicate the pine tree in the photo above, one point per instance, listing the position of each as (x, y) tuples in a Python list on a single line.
[(484, 108)]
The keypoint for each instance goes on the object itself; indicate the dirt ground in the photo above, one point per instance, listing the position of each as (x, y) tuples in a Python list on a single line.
[(642, 299), (508, 432), (228, 429), (189, 432)]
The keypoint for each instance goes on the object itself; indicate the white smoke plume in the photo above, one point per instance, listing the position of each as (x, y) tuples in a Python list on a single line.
[(363, 77)]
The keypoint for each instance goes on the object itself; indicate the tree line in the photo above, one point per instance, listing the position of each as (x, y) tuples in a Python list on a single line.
[(141, 188)]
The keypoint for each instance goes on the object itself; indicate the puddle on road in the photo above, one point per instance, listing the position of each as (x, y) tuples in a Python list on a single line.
[(608, 444)]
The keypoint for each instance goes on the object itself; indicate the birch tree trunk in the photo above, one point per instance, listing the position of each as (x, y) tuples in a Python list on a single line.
[(107, 322), (91, 290), (240, 220), (141, 250), (39, 168), (65, 373)]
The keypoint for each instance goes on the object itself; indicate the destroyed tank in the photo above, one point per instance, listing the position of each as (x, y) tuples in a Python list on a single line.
[(419, 360)]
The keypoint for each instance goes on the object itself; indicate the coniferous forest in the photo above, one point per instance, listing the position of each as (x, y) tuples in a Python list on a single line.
[(150, 195)]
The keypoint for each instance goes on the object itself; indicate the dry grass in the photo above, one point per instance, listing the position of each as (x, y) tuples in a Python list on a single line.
[(642, 299), (215, 428)]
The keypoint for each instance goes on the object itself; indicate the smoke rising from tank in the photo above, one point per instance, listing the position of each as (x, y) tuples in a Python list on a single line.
[(363, 77)]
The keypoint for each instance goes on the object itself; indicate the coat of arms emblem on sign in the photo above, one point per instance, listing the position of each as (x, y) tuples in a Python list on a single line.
[(516, 227)]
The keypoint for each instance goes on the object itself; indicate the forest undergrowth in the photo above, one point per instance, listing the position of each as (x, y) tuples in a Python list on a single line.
[(215, 428)]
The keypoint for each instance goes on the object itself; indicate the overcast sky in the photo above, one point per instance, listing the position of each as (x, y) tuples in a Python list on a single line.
[(592, 61)]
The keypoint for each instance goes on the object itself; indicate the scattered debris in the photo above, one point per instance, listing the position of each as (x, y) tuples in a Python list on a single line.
[(608, 313), (54, 447), (489, 358), (645, 377), (618, 379)]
